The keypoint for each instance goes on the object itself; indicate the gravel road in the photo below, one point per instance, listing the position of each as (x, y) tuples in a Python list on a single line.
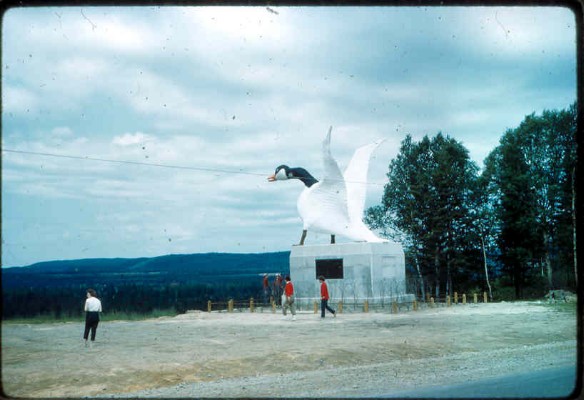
[(244, 354)]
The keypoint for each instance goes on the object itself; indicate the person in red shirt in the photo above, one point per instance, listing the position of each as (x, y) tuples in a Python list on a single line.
[(324, 297), (289, 303)]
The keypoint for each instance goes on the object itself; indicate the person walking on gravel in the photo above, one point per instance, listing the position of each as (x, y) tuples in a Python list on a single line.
[(92, 309), (324, 297), (289, 303)]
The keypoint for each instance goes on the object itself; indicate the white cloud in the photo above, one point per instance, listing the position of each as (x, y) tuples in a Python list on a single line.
[(119, 34), (238, 25), (517, 31), (128, 139), (17, 99), (62, 132)]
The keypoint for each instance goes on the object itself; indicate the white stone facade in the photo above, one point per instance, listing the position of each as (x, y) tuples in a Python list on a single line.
[(370, 271)]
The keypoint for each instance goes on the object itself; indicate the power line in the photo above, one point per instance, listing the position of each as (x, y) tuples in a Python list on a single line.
[(206, 169), (132, 162)]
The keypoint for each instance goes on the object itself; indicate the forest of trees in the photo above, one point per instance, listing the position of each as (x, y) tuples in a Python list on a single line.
[(68, 301), (173, 283), (508, 229)]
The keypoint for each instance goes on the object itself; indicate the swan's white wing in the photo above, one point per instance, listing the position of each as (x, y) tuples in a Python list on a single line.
[(356, 180), (323, 206), (332, 172), (332, 190)]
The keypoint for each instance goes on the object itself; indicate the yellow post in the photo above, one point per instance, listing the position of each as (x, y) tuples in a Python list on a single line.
[(366, 306), (485, 296), (463, 298), (230, 305), (415, 305), (273, 306), (427, 297), (432, 302), (394, 308), (209, 306), (315, 307), (475, 298), (251, 307), (448, 300), (340, 307), (455, 297)]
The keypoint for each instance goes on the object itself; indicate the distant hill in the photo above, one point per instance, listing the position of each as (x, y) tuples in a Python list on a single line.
[(175, 268)]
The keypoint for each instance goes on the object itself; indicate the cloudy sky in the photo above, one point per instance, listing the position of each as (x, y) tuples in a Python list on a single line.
[(144, 131)]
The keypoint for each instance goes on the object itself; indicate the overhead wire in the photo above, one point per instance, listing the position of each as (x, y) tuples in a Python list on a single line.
[(184, 167), (87, 158)]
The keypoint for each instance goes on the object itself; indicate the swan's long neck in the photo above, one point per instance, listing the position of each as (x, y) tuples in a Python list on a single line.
[(304, 176)]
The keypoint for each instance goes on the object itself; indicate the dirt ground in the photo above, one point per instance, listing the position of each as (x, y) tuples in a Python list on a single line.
[(261, 354)]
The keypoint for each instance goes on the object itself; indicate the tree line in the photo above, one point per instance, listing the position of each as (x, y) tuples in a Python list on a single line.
[(171, 283), (509, 228), (68, 301)]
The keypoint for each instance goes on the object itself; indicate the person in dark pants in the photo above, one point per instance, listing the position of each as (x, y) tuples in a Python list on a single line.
[(324, 297), (92, 310), (278, 289)]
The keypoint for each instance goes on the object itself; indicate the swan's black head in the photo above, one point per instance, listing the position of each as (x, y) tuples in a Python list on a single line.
[(284, 172)]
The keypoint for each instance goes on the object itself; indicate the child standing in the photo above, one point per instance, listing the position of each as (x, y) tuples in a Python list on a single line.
[(289, 293)]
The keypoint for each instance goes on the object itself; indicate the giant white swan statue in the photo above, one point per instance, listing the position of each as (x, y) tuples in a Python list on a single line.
[(335, 204)]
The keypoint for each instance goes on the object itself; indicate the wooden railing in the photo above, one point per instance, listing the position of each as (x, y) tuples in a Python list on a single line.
[(394, 307)]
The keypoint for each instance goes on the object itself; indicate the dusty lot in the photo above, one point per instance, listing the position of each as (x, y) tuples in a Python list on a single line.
[(263, 355)]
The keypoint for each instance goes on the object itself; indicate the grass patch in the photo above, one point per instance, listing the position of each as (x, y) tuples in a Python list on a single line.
[(40, 319), (105, 317)]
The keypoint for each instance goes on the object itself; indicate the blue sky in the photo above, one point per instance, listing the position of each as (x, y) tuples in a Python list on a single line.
[(224, 95)]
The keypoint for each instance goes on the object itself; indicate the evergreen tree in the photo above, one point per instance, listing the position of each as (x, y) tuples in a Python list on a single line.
[(531, 174), (517, 238), (425, 207)]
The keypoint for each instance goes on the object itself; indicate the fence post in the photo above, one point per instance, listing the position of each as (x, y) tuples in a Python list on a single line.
[(455, 297), (230, 305), (432, 302), (415, 305), (427, 297), (315, 307), (273, 306), (448, 301), (485, 296), (463, 298), (475, 298), (209, 306), (251, 307), (340, 307), (366, 306), (394, 308)]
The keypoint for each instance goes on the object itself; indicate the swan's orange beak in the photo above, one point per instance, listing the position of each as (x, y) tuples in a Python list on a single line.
[(272, 178)]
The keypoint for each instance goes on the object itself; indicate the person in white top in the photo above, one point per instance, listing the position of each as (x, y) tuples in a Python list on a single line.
[(92, 310)]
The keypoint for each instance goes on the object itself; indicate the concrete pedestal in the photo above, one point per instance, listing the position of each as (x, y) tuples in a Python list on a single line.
[(357, 272)]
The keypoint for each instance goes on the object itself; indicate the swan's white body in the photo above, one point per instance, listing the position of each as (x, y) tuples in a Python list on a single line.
[(335, 204)]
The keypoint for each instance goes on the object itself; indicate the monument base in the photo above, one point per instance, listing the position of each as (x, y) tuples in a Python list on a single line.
[(355, 272)]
